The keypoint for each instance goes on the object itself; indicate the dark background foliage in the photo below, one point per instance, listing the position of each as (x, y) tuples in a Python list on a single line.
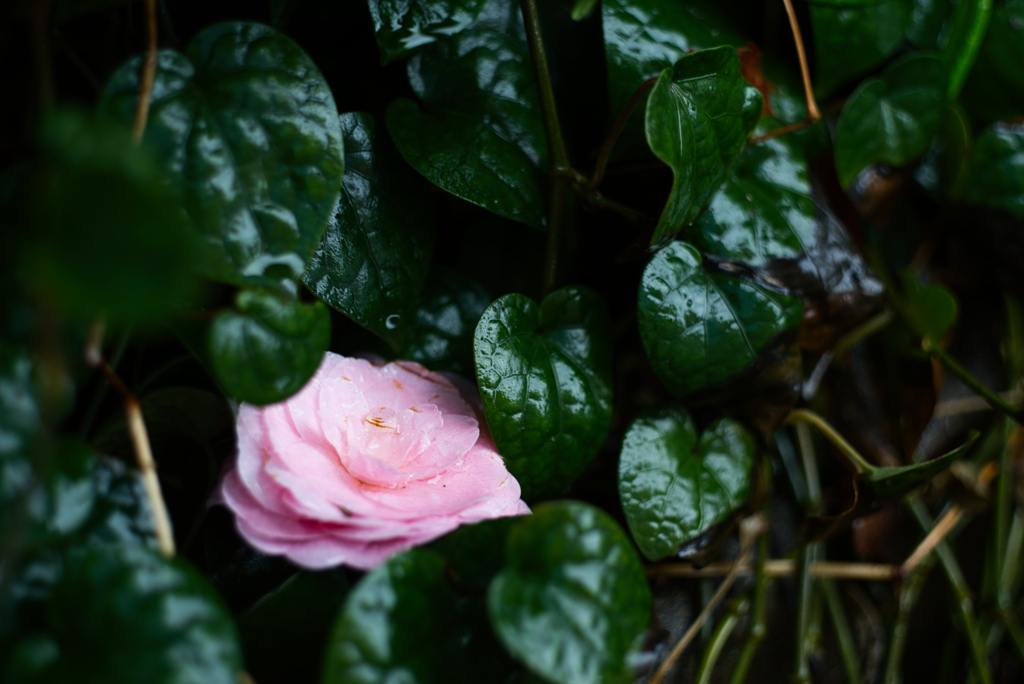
[(867, 267)]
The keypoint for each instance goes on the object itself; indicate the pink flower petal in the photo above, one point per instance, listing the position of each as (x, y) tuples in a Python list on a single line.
[(365, 461)]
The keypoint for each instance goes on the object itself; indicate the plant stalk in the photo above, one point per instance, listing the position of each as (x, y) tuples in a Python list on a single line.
[(860, 463), (1015, 413)]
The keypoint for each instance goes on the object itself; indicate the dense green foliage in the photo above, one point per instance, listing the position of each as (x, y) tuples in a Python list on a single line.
[(611, 217)]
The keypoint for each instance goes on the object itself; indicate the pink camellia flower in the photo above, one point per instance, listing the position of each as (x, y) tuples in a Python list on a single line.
[(364, 462)]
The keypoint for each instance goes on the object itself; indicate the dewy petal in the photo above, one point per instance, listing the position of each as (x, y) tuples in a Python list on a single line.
[(364, 462)]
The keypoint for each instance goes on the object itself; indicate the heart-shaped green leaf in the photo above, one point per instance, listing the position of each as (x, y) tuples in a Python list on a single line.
[(644, 37), (545, 379), (285, 634), (404, 622), (107, 236), (479, 134), (698, 328), (995, 174), (893, 118), (375, 254), (929, 310), (767, 218), (573, 603), (764, 211), (267, 350), (441, 334), (851, 41), (698, 118), (402, 26), (120, 613), (674, 486), (895, 481), (246, 127)]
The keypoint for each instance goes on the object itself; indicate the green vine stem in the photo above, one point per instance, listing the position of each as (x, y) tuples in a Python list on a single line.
[(1016, 413), (964, 59), (898, 639), (807, 416), (560, 167), (722, 633), (961, 592), (844, 635), (758, 624)]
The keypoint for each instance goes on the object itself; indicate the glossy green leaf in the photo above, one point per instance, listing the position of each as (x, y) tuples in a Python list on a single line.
[(401, 26), (895, 481), (995, 174), (573, 603), (673, 485), (945, 164), (20, 421), (479, 133), (698, 118), (764, 211), (244, 124), (266, 350), (852, 41), (701, 328), (643, 38), (995, 87), (891, 119), (545, 376), (403, 622), (108, 238), (284, 635), (929, 310), (127, 615), (441, 334), (121, 515), (475, 553), (581, 9), (375, 254)]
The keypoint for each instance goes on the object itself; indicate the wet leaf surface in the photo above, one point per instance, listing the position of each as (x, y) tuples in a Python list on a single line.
[(545, 380), (644, 37), (850, 41), (675, 485), (402, 26), (480, 139), (891, 119), (266, 350), (374, 256), (995, 173), (698, 118), (573, 602), (247, 129), (700, 328)]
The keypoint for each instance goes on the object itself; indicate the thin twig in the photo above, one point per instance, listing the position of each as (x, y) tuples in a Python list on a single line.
[(934, 537), (946, 523), (613, 135), (750, 529), (880, 572), (962, 593), (140, 442), (813, 115), (147, 75)]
